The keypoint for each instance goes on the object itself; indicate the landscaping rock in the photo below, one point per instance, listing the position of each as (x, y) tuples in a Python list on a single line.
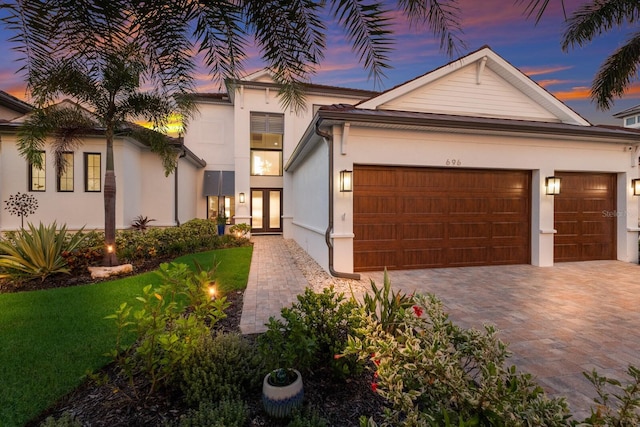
[(103, 272)]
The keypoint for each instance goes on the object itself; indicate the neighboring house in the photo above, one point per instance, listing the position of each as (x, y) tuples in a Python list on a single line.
[(448, 169), (76, 198)]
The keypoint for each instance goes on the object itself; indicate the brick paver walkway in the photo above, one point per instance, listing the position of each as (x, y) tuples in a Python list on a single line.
[(559, 321)]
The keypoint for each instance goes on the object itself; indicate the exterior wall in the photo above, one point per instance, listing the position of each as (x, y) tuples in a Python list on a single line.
[(459, 93), (541, 156), (141, 188), (75, 209), (189, 191), (310, 209), (211, 135)]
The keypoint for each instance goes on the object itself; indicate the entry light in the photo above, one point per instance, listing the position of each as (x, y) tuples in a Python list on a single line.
[(241, 197), (635, 184), (553, 185), (346, 181)]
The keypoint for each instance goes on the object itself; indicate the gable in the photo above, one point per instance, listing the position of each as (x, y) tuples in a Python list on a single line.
[(460, 93), (481, 84)]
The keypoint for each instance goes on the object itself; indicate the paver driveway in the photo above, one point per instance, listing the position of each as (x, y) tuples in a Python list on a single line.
[(559, 321)]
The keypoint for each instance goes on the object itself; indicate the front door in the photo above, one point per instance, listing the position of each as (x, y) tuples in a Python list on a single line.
[(266, 210)]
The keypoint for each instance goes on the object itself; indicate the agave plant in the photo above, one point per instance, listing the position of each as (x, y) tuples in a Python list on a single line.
[(36, 252)]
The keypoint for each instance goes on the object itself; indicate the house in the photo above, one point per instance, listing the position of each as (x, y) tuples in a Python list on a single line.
[(452, 168), (76, 198)]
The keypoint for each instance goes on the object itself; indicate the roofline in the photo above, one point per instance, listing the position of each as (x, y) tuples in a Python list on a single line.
[(411, 120), (15, 103), (308, 88)]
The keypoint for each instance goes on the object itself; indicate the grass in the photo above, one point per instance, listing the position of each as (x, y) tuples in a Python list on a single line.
[(50, 339)]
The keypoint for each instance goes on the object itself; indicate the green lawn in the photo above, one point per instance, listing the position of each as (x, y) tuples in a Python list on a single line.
[(50, 339)]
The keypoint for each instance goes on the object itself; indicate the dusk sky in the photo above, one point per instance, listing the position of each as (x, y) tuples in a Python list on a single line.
[(500, 24)]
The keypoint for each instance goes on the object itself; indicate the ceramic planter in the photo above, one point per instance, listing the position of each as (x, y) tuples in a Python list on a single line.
[(280, 401)]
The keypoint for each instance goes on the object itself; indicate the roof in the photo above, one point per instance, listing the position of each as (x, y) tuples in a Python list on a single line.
[(14, 103), (628, 112)]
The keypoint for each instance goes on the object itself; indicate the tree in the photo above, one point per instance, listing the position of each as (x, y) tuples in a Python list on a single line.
[(101, 52), (589, 21), (110, 85)]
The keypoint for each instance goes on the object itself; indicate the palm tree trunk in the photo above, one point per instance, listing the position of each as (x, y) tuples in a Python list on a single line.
[(110, 257)]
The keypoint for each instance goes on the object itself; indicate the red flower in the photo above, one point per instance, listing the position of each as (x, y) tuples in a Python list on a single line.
[(374, 387), (376, 361), (418, 310), (337, 356)]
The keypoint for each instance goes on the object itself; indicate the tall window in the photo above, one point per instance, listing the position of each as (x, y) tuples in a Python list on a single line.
[(92, 172), (65, 179), (223, 205), (37, 176), (267, 131)]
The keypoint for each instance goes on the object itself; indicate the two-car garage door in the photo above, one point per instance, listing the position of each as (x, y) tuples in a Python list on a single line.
[(409, 217)]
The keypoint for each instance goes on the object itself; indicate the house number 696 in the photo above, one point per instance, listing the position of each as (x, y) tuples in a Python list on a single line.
[(454, 162)]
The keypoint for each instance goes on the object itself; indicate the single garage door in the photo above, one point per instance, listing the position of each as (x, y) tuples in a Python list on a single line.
[(407, 218), (585, 217)]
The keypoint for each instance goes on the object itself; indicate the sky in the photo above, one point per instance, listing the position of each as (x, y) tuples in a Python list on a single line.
[(501, 24)]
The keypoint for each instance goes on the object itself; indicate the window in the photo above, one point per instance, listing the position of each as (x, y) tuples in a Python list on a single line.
[(630, 121), (224, 205), (267, 132), (37, 176), (65, 179), (92, 172)]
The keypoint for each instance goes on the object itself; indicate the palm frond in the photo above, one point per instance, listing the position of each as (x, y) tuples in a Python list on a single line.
[(616, 73), (441, 16), (597, 17), (159, 144), (368, 28)]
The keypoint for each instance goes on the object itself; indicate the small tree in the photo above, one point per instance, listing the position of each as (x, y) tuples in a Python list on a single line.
[(22, 205)]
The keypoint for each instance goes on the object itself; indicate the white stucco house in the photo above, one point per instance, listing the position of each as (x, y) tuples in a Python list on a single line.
[(76, 198), (453, 168)]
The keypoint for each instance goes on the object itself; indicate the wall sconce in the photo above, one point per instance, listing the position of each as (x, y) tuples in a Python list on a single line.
[(346, 181), (635, 184), (241, 197), (553, 185)]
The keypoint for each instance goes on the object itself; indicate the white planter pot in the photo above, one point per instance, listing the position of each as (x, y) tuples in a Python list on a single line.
[(280, 401)]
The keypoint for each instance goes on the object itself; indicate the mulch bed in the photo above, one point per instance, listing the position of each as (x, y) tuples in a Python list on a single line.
[(107, 399)]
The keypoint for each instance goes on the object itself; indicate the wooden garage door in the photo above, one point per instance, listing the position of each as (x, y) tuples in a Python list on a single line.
[(406, 218), (585, 217)]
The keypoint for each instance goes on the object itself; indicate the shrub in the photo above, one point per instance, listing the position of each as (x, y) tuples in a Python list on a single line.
[(222, 367), (310, 419), (311, 332), (37, 252), (433, 372), (617, 404), (226, 413), (141, 223), (384, 306), (173, 319), (66, 420), (88, 253)]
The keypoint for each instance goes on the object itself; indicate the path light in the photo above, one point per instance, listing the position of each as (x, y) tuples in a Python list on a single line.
[(553, 185), (212, 290), (635, 184), (346, 181)]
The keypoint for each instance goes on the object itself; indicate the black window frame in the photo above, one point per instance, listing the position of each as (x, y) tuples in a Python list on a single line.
[(86, 172), (44, 172), (68, 167)]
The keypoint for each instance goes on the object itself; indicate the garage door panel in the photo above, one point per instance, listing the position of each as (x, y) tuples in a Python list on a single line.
[(423, 205), (443, 217), (584, 232), (377, 178), (375, 232), (468, 206), (423, 231)]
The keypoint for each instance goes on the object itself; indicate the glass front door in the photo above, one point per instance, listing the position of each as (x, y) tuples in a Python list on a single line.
[(266, 210)]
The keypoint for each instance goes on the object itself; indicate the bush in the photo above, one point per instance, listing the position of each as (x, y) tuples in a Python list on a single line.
[(311, 332), (617, 404), (88, 253), (222, 367), (173, 319), (433, 372), (226, 413), (66, 420), (37, 252), (311, 419)]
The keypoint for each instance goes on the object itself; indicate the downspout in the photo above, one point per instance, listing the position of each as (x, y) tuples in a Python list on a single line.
[(327, 234), (175, 189)]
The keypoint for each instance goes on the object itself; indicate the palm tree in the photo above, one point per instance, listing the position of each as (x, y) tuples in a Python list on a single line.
[(101, 52), (110, 87), (589, 21)]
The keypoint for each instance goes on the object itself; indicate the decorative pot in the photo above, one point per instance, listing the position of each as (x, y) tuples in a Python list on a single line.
[(221, 229), (280, 401)]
